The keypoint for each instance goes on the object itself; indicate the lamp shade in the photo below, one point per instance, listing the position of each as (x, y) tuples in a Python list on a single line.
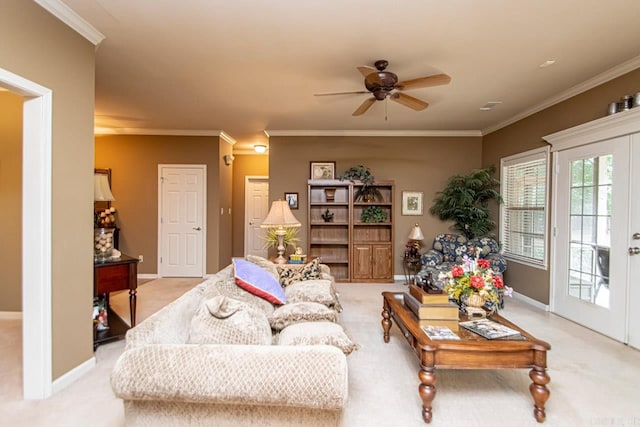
[(101, 189), (280, 216), (416, 233)]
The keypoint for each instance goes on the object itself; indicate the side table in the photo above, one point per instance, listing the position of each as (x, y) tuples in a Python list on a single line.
[(115, 275), (411, 266)]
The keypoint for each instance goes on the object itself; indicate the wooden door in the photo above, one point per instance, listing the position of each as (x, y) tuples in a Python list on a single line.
[(361, 262), (381, 262)]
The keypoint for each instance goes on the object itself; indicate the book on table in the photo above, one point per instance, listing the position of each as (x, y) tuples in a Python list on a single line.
[(439, 333), (449, 323), (489, 329), (426, 298), (446, 311)]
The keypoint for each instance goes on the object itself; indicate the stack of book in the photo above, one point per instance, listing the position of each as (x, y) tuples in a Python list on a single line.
[(432, 309)]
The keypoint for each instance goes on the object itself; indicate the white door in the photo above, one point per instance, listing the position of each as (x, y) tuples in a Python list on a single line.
[(590, 276), (256, 202), (182, 225), (633, 325)]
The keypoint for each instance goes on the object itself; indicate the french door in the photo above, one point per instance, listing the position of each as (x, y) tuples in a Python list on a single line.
[(594, 223)]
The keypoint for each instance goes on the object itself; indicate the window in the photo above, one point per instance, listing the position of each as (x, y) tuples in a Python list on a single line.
[(523, 215)]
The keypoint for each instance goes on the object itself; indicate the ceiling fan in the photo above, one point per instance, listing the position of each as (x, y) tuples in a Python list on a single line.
[(384, 85)]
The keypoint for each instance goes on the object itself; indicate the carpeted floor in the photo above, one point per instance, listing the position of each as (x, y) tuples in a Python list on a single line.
[(593, 379)]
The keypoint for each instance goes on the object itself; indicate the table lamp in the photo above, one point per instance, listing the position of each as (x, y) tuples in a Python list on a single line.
[(280, 217)]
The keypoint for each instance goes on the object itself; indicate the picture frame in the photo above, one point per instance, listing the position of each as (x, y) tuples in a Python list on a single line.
[(412, 202), (292, 200), (323, 170)]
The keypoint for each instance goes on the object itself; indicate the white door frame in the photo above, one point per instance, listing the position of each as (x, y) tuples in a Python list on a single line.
[(246, 208), (36, 235), (204, 213)]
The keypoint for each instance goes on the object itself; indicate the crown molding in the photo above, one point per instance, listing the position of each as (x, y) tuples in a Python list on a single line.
[(64, 13), (374, 133), (162, 132), (227, 138), (602, 78)]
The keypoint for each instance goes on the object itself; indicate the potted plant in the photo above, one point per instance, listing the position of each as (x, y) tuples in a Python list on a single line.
[(290, 238), (465, 201), (362, 174)]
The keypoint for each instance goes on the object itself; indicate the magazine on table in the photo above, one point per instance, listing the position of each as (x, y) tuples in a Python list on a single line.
[(489, 329), (439, 333)]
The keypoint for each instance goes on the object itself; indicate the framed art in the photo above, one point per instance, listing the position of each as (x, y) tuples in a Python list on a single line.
[(411, 203), (292, 200), (323, 170)]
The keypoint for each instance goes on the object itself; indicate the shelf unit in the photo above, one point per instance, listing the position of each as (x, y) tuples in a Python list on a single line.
[(355, 251)]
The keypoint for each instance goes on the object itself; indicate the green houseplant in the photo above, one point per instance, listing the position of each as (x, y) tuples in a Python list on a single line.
[(290, 238), (363, 174), (373, 214), (465, 201)]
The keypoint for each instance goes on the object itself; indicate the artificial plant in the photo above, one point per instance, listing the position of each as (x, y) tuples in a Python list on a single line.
[(290, 238), (363, 174), (465, 201)]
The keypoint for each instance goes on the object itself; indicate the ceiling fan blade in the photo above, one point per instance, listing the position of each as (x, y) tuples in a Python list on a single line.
[(435, 80), (365, 70), (409, 101), (364, 107), (339, 93)]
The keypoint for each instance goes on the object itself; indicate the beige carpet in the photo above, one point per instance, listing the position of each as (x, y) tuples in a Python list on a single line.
[(593, 379)]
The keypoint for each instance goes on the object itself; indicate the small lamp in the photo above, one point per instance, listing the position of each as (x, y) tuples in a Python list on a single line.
[(416, 233), (101, 190), (280, 217), (413, 246)]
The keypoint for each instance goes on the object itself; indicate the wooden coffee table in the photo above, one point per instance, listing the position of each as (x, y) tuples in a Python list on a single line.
[(470, 352)]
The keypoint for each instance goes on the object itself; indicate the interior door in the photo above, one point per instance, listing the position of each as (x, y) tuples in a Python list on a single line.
[(256, 209), (633, 324), (591, 222), (182, 225)]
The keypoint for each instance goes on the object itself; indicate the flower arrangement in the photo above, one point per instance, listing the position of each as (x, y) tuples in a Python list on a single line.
[(475, 277)]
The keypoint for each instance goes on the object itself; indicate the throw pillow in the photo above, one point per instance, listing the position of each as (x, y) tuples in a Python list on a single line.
[(258, 281), (264, 263), (317, 333), (317, 290), (223, 320), (288, 314), (289, 275)]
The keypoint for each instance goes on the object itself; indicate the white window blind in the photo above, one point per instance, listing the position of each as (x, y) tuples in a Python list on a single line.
[(523, 222)]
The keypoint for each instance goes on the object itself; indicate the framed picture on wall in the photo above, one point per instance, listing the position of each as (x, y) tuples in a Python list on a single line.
[(292, 200), (411, 203), (323, 170)]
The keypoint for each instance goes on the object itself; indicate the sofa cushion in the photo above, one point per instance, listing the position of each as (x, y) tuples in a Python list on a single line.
[(223, 320), (288, 314), (258, 281), (310, 271), (317, 290), (316, 333), (265, 264)]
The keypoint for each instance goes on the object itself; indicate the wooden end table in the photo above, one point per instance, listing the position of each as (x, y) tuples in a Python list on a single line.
[(470, 352), (115, 275)]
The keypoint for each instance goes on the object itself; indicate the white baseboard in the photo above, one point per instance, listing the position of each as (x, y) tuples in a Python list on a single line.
[(531, 301), (10, 315), (73, 375), (148, 276)]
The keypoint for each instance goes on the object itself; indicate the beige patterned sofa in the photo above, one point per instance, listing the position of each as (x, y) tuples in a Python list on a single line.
[(171, 373)]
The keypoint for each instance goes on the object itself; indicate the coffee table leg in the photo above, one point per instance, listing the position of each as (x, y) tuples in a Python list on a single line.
[(427, 390), (386, 321), (539, 391)]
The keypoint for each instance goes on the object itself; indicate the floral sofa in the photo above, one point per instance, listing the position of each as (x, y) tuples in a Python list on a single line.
[(449, 249), (226, 354)]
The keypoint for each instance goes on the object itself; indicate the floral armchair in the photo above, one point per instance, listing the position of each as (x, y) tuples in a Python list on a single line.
[(449, 250)]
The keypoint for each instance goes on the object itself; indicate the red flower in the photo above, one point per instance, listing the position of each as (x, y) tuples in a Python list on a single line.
[(497, 282), (477, 282), (457, 271), (483, 263)]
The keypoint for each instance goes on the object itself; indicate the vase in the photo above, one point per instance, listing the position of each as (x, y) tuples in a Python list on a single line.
[(330, 194), (474, 304)]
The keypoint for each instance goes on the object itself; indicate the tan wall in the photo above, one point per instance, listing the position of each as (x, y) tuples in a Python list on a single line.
[(42, 49), (244, 165), (527, 134), (225, 196), (134, 161), (414, 163), (11, 201)]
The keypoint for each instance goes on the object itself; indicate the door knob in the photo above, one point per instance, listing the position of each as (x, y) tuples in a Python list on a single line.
[(197, 228), (634, 251), (636, 236)]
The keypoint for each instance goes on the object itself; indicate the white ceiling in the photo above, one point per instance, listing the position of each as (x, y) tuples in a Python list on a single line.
[(245, 66)]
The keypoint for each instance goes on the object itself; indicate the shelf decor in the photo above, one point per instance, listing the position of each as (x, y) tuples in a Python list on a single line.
[(373, 214), (323, 170)]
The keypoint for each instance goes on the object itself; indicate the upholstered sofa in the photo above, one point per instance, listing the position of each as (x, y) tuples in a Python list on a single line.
[(450, 249), (223, 356)]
